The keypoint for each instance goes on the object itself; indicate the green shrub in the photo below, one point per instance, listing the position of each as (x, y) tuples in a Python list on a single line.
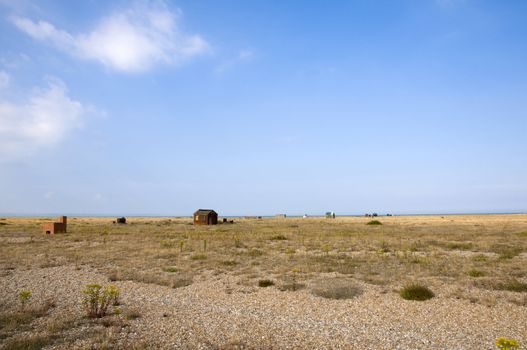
[(374, 222), (97, 299), (265, 283), (416, 292), (171, 269)]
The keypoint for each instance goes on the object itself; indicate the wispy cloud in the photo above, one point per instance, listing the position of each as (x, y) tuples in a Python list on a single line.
[(243, 56), (132, 40), (43, 120)]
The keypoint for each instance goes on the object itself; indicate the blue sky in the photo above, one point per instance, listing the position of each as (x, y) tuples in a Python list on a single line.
[(263, 107)]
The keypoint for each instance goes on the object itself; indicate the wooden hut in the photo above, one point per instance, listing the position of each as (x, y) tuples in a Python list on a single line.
[(205, 217)]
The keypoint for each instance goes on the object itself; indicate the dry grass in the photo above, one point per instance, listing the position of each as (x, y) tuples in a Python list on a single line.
[(336, 288), (487, 252), (158, 250), (19, 319)]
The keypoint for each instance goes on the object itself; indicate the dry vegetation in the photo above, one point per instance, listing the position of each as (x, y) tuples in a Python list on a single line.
[(476, 259)]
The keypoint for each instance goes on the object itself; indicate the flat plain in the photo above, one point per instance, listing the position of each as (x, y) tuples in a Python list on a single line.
[(268, 283)]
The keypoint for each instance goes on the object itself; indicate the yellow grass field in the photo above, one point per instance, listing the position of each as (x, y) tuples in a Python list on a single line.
[(267, 283)]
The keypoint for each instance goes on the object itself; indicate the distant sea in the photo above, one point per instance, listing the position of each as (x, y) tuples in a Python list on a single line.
[(248, 215)]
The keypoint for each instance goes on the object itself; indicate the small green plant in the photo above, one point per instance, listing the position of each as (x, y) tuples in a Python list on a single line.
[(374, 222), (416, 259), (294, 284), (416, 292), (278, 238), (255, 252), (24, 297), (170, 269), (131, 314), (326, 248), (167, 244), (114, 293), (459, 245), (385, 248), (506, 251), (522, 234), (204, 245), (237, 242), (198, 257), (510, 253), (97, 299), (475, 273), (29, 342), (181, 244), (513, 285), (480, 257), (507, 344), (105, 233), (265, 283), (290, 252)]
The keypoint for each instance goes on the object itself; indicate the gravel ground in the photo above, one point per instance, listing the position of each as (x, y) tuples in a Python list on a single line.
[(218, 311)]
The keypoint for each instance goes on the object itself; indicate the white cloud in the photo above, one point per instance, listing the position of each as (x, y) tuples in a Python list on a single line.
[(41, 121), (133, 40), (243, 56), (4, 79)]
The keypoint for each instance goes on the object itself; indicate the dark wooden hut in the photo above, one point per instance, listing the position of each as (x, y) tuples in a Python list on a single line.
[(205, 217)]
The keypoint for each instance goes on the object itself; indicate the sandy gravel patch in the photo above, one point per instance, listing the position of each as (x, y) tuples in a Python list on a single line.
[(216, 311)]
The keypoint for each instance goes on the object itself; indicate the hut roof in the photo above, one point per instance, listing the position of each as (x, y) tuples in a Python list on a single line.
[(204, 212)]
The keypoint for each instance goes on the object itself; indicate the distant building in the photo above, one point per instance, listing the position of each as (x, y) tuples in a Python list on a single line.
[(205, 217), (330, 215), (280, 216), (50, 228)]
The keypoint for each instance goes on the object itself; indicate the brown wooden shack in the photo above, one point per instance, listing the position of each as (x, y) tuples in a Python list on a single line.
[(205, 217), (51, 228)]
